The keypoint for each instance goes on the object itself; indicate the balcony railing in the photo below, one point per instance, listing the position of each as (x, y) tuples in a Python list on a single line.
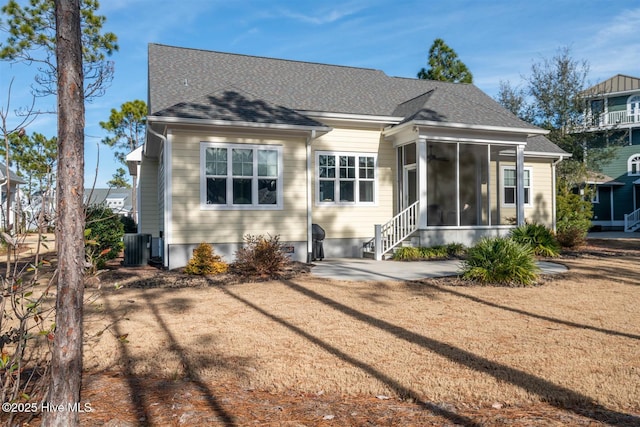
[(614, 118)]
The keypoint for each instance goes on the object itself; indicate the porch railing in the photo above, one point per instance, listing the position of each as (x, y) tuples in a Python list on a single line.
[(632, 221), (398, 228), (614, 118)]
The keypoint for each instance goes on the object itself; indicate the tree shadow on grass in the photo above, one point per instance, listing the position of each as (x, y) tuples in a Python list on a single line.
[(556, 395), (425, 283), (135, 385), (401, 390)]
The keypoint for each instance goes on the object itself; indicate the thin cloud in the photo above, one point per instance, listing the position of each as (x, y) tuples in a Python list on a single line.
[(322, 17)]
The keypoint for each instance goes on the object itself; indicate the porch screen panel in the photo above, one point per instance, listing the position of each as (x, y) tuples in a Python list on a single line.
[(442, 203), (474, 191)]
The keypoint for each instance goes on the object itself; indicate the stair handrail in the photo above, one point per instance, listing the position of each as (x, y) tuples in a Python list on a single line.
[(631, 220), (394, 231)]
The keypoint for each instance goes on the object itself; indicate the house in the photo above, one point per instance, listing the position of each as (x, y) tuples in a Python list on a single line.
[(10, 193), (241, 145), (116, 199), (613, 113)]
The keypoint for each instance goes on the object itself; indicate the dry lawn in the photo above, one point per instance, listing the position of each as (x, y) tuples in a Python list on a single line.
[(310, 351)]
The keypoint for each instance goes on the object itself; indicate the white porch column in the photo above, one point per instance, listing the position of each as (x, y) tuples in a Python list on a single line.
[(520, 185), (421, 148)]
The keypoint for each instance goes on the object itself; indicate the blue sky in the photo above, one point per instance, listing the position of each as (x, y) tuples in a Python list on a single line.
[(497, 40)]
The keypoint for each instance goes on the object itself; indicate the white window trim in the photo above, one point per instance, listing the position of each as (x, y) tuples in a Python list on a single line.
[(595, 197), (513, 205), (356, 190), (633, 159), (229, 206)]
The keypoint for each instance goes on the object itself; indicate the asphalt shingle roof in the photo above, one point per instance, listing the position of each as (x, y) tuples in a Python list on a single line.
[(236, 106), (13, 177), (191, 83)]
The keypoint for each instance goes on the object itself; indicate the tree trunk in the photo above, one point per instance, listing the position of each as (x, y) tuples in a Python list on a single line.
[(66, 359)]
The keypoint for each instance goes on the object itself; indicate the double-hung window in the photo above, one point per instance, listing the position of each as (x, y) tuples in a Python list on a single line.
[(509, 186), (345, 178), (239, 176)]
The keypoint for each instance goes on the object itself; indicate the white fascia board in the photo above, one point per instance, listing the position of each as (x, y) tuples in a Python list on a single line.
[(545, 154), (528, 131), (233, 124), (463, 126)]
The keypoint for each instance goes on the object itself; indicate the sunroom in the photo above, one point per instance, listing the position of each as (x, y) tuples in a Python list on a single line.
[(456, 184)]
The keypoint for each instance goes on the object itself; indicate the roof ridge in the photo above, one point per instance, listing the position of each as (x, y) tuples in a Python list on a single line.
[(430, 80), (271, 58)]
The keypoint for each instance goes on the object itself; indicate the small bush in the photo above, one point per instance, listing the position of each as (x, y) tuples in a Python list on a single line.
[(103, 235), (571, 236), (500, 261), (574, 213), (129, 224), (205, 262), (261, 256), (540, 238)]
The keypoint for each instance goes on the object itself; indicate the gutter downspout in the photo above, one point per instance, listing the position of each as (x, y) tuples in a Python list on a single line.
[(555, 192), (310, 139), (164, 238)]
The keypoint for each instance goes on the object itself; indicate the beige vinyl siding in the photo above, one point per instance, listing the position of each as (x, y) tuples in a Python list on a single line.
[(192, 224), (353, 221), (150, 212), (542, 199), (540, 211)]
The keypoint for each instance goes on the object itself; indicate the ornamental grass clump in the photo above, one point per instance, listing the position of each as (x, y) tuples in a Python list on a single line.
[(407, 253), (205, 262), (500, 261), (540, 238), (438, 252)]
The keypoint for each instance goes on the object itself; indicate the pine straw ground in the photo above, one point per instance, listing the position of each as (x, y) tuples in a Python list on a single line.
[(164, 349)]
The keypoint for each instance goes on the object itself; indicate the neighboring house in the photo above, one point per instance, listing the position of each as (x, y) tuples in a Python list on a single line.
[(116, 199), (614, 112), (241, 145), (9, 191)]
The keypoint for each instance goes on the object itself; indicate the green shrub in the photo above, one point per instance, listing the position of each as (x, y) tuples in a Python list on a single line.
[(574, 213), (452, 250), (434, 252), (500, 261), (261, 256), (407, 253), (539, 237), (129, 224), (205, 262), (456, 250), (103, 235)]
